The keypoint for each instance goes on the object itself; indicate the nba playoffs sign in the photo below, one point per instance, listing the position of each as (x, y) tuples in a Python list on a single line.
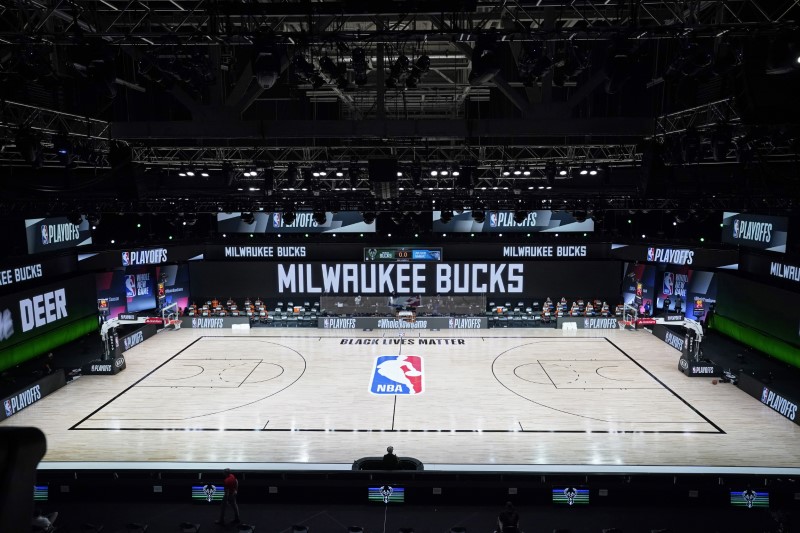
[(273, 222), (31, 394), (213, 322), (755, 231), (589, 322), (782, 401), (503, 222), (153, 256), (436, 322), (697, 258), (57, 233)]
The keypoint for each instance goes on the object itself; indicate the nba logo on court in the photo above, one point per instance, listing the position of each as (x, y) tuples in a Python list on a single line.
[(651, 254), (397, 374), (669, 283)]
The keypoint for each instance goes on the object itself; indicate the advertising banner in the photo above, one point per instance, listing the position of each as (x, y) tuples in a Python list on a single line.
[(395, 323), (27, 314), (596, 322), (273, 222), (32, 393), (777, 397), (503, 279), (56, 233), (108, 367), (755, 231), (503, 222), (406, 253), (696, 258), (783, 270), (16, 276), (213, 322)]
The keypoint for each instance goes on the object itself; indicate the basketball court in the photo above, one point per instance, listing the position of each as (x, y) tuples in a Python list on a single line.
[(516, 399)]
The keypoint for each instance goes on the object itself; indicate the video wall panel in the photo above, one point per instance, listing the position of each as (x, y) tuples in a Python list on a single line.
[(768, 309), (505, 280), (664, 285)]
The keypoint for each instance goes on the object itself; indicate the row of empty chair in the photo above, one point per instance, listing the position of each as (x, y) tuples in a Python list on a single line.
[(303, 313)]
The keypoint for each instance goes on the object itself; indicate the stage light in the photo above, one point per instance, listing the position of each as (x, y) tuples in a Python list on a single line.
[(369, 217), (446, 216), (506, 172), (444, 172), (204, 173), (190, 173), (456, 173), (288, 218), (520, 216), (248, 218), (420, 68), (583, 172), (339, 173), (266, 61), (485, 64), (333, 73), (182, 172), (360, 66), (593, 172), (320, 217), (479, 216), (398, 71), (29, 147), (291, 176), (306, 71), (434, 173)]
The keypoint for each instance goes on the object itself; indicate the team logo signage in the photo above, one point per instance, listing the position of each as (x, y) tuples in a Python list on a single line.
[(755, 231), (784, 271), (676, 341), (126, 316), (137, 285), (397, 374), (674, 256), (778, 403), (57, 233), (153, 256)]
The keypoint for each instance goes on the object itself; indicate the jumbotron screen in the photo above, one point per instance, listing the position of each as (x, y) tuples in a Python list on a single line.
[(207, 493), (386, 494), (570, 496), (750, 499)]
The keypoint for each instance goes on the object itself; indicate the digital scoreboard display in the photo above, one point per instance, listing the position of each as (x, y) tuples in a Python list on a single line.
[(386, 494), (402, 254), (750, 499)]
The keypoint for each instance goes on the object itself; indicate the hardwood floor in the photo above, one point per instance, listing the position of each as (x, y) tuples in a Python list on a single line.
[(525, 399)]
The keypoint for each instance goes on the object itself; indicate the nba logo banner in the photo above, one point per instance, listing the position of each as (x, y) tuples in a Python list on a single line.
[(126, 259), (130, 286), (397, 374), (651, 254), (669, 284)]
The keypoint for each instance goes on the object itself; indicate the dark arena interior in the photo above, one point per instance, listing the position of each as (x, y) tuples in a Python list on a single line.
[(548, 251)]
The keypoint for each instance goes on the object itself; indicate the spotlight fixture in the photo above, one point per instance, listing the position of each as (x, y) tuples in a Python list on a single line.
[(520, 216), (320, 217), (306, 71), (289, 218), (420, 68), (369, 217), (248, 218), (398, 71), (446, 216), (479, 216), (485, 64), (333, 73), (75, 218), (29, 147), (360, 66), (292, 173)]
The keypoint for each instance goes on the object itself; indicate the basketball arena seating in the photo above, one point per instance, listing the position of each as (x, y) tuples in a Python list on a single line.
[(535, 313), (278, 313)]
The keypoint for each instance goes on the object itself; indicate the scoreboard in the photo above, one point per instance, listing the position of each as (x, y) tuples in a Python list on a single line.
[(402, 254)]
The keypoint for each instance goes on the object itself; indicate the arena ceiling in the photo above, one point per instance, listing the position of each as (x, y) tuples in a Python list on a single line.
[(112, 105)]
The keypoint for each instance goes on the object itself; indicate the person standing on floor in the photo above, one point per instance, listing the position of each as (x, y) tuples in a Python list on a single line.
[(229, 498)]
